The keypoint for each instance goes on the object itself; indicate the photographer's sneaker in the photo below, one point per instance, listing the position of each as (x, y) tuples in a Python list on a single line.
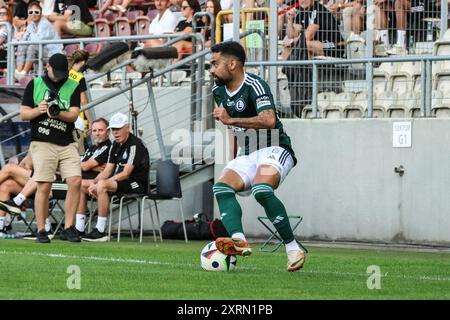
[(11, 207), (42, 237), (70, 234), (95, 236), (296, 259), (233, 246)]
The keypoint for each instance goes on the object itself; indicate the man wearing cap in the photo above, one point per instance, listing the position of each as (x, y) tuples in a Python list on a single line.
[(126, 171), (52, 143)]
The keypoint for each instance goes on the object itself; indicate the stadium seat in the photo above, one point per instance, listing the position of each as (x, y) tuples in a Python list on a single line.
[(93, 48), (133, 14), (23, 81), (141, 26), (122, 27), (102, 28), (152, 14), (406, 101), (382, 102), (382, 77), (168, 187), (442, 108), (323, 101), (405, 77), (358, 106), (336, 108), (71, 48)]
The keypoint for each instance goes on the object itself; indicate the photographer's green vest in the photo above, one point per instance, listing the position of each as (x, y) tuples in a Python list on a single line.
[(53, 130)]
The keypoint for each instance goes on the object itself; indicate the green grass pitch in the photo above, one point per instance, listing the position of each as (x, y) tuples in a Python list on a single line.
[(171, 270)]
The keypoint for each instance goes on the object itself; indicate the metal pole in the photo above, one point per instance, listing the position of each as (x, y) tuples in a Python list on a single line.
[(315, 90), (370, 26), (40, 62), (444, 17), (369, 77), (236, 20), (158, 132), (273, 47), (423, 83), (428, 88)]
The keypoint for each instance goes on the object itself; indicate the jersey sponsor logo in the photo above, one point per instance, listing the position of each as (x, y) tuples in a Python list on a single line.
[(240, 105), (262, 102)]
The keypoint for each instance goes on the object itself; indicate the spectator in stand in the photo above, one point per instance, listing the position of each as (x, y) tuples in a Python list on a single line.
[(38, 29), (66, 20), (381, 20), (126, 171), (119, 6), (92, 163), (322, 34), (21, 14), (4, 17), (213, 7), (164, 22), (416, 11), (351, 13), (188, 9)]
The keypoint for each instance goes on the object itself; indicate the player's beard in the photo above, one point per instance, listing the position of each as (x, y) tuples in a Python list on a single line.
[(221, 81)]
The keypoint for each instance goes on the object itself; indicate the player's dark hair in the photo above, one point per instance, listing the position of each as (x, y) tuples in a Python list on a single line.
[(230, 48), (106, 122)]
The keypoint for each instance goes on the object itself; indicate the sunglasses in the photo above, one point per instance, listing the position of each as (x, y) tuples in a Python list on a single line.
[(31, 12)]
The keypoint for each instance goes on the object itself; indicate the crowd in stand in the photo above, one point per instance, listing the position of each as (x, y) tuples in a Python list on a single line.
[(327, 23)]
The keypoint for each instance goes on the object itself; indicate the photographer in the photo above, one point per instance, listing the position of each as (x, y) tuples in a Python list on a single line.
[(52, 104)]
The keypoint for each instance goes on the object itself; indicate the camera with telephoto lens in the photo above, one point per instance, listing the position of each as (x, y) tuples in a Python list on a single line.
[(53, 103)]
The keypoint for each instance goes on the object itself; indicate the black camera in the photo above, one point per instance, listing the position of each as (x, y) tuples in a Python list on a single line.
[(53, 103)]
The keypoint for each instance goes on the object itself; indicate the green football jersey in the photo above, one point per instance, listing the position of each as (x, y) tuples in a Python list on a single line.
[(251, 98)]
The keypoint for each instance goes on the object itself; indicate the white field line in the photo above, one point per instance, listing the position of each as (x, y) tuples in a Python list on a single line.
[(154, 262)]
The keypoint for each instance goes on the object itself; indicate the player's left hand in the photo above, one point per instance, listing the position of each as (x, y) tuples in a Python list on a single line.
[(222, 115)]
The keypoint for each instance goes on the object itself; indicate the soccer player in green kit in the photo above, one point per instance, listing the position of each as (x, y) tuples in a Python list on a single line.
[(246, 106)]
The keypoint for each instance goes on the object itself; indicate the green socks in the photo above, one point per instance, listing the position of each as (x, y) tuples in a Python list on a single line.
[(229, 207), (275, 210)]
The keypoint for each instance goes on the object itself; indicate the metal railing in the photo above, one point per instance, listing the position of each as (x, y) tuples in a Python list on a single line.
[(82, 41), (425, 75)]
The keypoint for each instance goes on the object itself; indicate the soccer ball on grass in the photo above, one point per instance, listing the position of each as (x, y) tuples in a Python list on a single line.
[(212, 259)]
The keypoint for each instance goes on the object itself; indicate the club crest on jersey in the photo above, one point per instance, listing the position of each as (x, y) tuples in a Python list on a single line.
[(125, 155), (240, 105)]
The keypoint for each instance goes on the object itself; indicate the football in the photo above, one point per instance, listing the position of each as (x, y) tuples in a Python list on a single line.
[(212, 259)]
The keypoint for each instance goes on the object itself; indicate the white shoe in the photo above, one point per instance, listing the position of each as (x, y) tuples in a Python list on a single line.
[(296, 259), (19, 74), (397, 50)]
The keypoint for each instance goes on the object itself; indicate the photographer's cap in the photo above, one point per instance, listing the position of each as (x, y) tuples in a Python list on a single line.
[(60, 65), (117, 121)]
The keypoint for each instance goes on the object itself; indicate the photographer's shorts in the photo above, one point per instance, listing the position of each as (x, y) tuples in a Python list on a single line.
[(48, 157)]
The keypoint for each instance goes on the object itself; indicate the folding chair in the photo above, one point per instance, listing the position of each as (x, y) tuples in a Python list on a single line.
[(274, 233), (168, 187)]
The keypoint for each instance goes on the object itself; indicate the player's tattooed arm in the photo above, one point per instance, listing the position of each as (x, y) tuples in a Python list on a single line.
[(266, 119)]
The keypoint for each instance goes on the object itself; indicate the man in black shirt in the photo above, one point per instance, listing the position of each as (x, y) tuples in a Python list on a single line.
[(127, 171), (92, 163), (52, 143), (322, 33)]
